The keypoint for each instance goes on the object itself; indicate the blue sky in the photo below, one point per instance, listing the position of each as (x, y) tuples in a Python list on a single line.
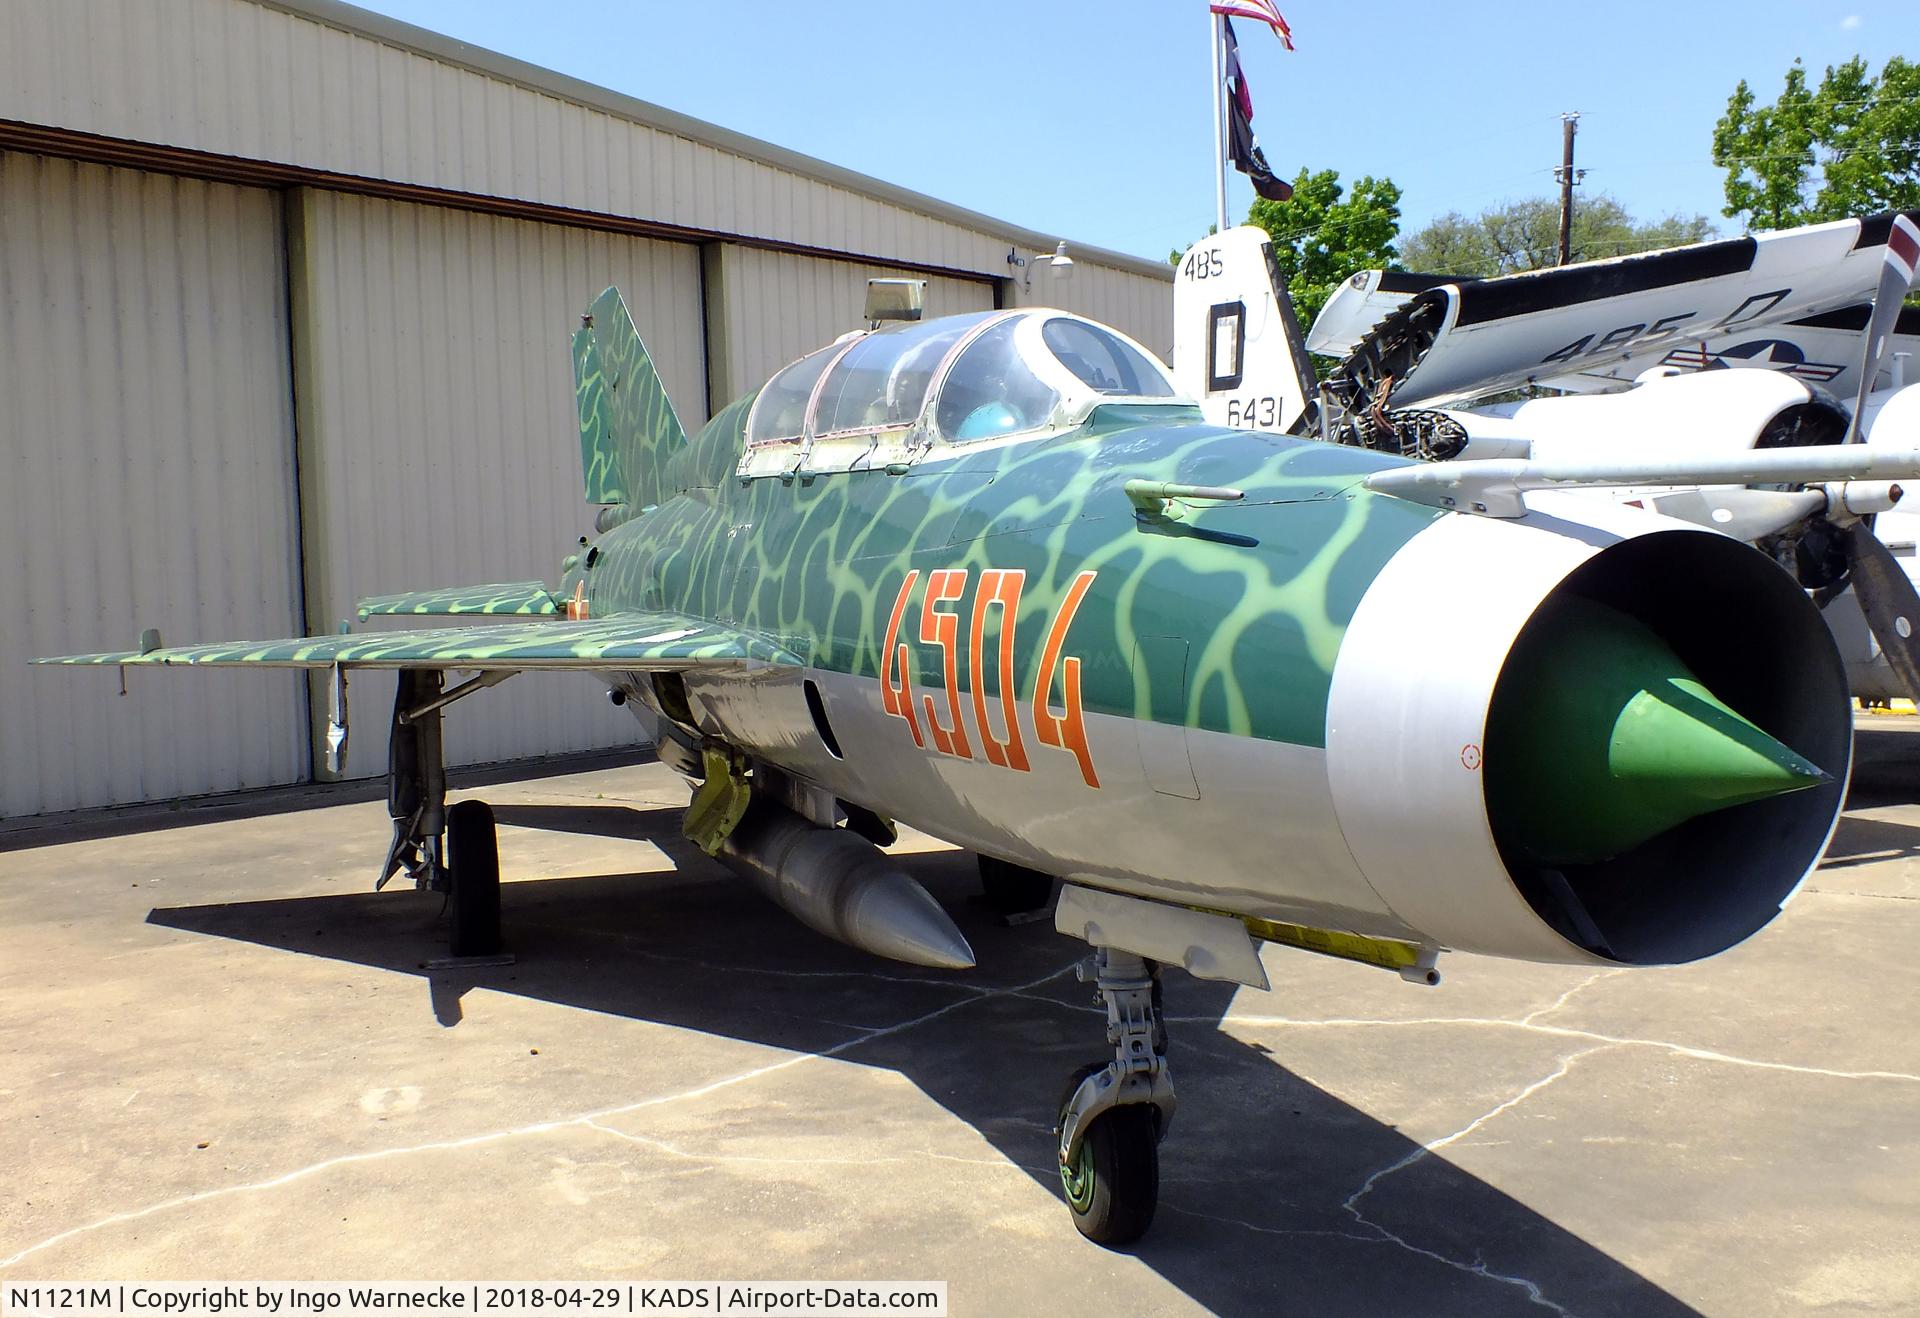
[(1091, 121)]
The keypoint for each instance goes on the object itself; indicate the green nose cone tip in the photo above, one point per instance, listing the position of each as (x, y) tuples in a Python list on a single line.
[(1601, 738)]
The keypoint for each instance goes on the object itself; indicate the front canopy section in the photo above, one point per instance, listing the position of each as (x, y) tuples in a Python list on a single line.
[(897, 394)]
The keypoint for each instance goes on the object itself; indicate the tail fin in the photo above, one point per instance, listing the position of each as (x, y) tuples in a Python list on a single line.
[(1237, 349), (628, 428)]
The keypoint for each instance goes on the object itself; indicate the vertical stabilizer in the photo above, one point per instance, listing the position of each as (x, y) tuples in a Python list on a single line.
[(1237, 348), (628, 428)]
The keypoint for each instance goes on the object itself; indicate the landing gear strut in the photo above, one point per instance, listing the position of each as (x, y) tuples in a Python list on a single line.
[(416, 784), (1114, 1114), (442, 850)]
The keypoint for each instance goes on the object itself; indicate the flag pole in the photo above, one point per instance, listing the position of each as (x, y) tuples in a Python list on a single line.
[(1215, 22)]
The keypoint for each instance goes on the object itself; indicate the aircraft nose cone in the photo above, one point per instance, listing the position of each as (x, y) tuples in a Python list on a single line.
[(1601, 738), (895, 917)]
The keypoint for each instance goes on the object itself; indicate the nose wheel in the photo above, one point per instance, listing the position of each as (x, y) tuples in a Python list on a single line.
[(1113, 1115)]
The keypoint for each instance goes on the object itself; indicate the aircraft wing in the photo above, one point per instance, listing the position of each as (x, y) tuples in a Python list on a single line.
[(1462, 339), (526, 599), (1822, 350), (655, 641)]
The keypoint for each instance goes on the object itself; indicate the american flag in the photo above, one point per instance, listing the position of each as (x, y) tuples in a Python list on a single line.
[(1260, 11)]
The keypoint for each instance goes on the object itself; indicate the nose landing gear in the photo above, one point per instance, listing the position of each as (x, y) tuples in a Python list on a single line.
[(1114, 1114)]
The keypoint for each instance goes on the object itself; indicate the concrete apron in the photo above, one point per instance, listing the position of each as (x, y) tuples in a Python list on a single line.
[(221, 1056)]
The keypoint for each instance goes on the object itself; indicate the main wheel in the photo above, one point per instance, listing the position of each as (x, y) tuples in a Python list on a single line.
[(473, 856), (1113, 1183), (1011, 889)]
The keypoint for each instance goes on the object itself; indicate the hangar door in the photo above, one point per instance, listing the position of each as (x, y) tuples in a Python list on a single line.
[(146, 426), (438, 440)]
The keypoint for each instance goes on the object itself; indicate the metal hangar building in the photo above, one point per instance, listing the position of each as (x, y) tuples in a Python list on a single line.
[(285, 290)]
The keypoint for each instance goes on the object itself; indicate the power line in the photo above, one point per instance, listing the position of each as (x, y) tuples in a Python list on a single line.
[(1813, 157)]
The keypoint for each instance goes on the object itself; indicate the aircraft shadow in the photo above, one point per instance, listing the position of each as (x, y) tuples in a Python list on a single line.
[(1254, 1173), (615, 821), (1868, 841), (1886, 767), (93, 823)]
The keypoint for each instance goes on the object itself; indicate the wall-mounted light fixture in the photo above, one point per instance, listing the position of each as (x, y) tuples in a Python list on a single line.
[(1059, 262)]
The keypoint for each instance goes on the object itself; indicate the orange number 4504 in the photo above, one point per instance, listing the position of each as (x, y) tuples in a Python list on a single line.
[(1065, 727)]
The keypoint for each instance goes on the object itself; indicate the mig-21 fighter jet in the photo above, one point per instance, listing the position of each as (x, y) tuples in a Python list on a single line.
[(993, 576)]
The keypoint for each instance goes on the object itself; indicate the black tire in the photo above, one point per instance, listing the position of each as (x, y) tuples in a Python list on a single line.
[(1113, 1184), (473, 858), (1012, 889)]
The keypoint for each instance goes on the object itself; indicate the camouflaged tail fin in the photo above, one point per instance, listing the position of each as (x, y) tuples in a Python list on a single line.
[(628, 428)]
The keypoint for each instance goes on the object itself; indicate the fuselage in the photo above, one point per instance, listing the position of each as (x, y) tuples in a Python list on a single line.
[(1276, 707), (1012, 589), (1087, 692)]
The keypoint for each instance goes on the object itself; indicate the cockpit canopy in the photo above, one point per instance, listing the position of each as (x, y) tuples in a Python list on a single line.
[(956, 380)]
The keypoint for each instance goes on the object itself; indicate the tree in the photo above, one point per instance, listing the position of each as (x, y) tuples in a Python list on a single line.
[(1323, 234), (1850, 146), (1525, 235)]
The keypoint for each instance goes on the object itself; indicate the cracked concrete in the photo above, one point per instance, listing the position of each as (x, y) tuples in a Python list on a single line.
[(1477, 1268), (221, 1055)]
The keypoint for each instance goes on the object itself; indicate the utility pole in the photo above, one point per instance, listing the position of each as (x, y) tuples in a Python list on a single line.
[(1567, 177)]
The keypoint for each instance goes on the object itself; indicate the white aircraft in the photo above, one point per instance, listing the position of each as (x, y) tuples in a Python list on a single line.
[(1601, 324), (1677, 434)]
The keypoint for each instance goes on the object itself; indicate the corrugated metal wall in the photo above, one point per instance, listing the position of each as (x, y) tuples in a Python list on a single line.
[(250, 80), (778, 306), (1140, 308), (439, 444), (146, 427), (247, 80), (154, 373)]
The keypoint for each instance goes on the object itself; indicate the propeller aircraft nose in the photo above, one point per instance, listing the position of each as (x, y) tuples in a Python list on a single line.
[(1601, 738)]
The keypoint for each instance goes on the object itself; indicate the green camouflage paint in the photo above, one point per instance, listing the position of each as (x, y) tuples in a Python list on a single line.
[(1258, 588), (521, 598), (634, 640), (629, 432), (1636, 744), (805, 569)]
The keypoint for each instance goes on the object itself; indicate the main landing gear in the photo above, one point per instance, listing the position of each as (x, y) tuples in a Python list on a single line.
[(452, 851), (1114, 1114), (474, 853), (1015, 893)]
